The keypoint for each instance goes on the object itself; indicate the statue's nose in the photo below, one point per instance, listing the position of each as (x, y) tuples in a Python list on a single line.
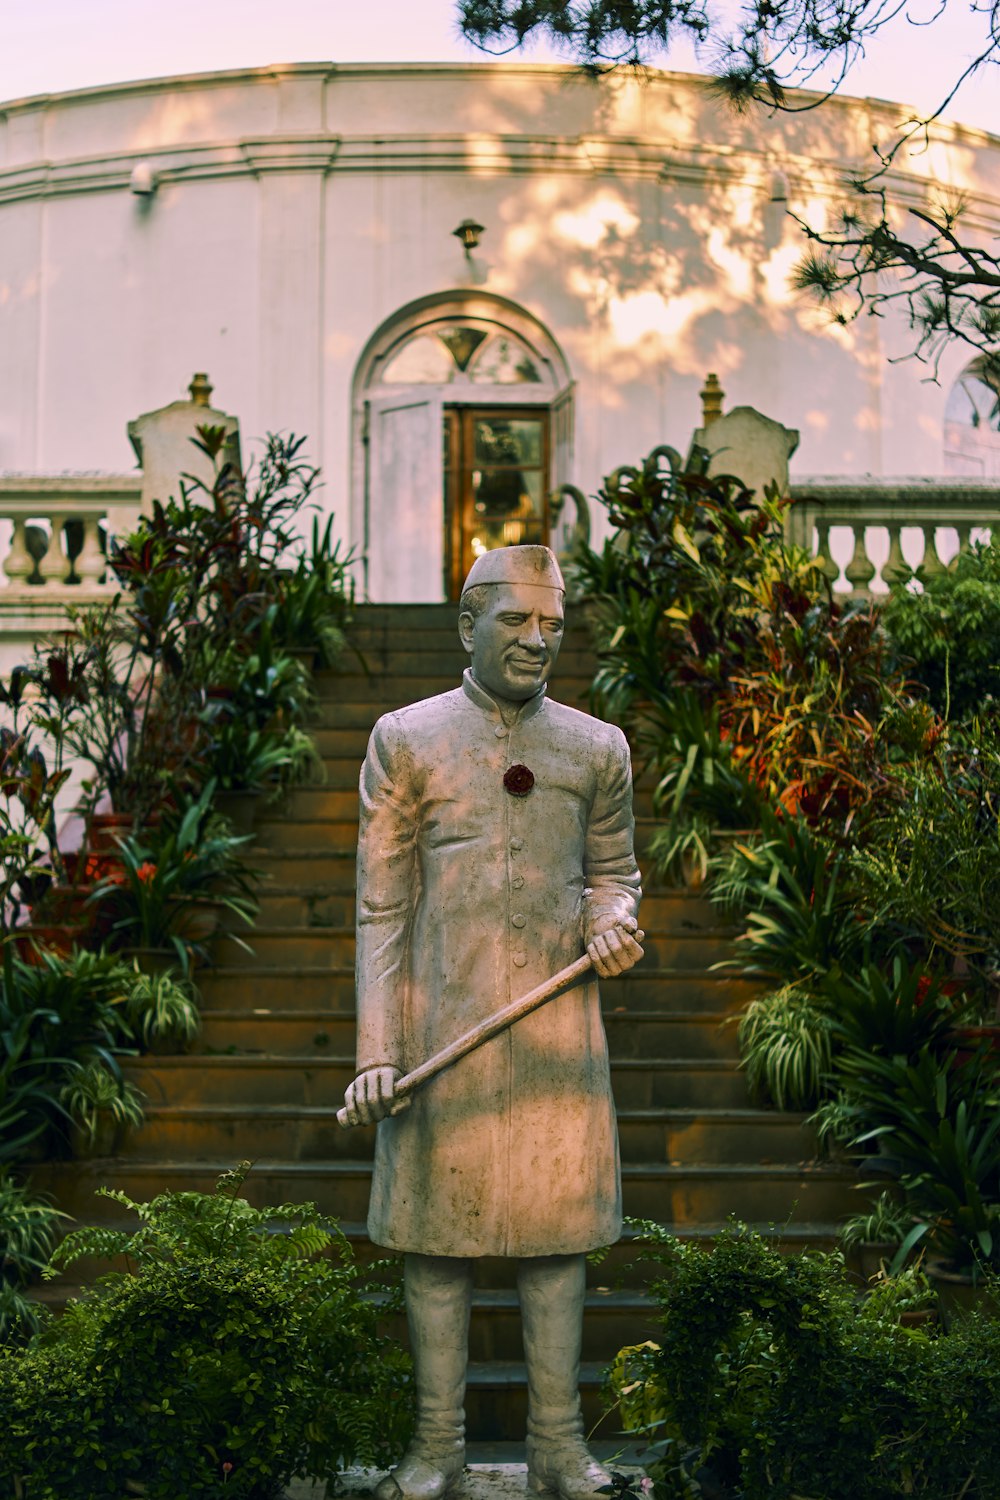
[(531, 636)]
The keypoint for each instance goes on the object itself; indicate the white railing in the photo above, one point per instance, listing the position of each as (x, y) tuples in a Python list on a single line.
[(871, 531), (54, 533)]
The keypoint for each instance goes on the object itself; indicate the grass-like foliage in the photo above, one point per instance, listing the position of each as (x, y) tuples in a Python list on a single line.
[(772, 1380), (238, 1349)]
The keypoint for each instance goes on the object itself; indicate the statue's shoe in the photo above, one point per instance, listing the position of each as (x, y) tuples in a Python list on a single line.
[(566, 1470), (419, 1478)]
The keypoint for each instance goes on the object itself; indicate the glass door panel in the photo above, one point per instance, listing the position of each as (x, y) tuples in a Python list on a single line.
[(504, 480)]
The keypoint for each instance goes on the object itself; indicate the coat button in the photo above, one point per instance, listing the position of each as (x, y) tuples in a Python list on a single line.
[(517, 882), (520, 959), (516, 844), (501, 731), (518, 919)]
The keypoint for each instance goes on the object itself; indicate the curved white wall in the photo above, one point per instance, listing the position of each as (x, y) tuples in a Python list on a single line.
[(299, 207)]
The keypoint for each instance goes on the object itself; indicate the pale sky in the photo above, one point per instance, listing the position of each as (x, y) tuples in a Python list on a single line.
[(47, 46)]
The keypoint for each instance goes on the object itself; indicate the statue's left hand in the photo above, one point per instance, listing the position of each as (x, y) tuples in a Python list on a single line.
[(616, 950)]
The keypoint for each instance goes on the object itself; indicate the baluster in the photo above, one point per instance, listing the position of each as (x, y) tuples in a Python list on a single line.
[(827, 566), (931, 563), (896, 568), (90, 563), (964, 529), (860, 570), (55, 565), (19, 563)]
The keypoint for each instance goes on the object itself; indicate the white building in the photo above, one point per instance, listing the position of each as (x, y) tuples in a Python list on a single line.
[(293, 231)]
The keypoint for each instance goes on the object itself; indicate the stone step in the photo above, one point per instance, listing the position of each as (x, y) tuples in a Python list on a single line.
[(299, 986), (322, 1075), (302, 1034), (333, 947), (309, 1132), (788, 1194), (496, 1399)]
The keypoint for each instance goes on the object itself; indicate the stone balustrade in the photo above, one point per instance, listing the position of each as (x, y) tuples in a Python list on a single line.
[(871, 531), (53, 538)]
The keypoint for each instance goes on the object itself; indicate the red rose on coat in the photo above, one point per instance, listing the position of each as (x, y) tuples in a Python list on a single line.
[(518, 780)]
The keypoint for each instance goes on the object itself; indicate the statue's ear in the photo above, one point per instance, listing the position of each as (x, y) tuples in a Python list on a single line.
[(466, 626)]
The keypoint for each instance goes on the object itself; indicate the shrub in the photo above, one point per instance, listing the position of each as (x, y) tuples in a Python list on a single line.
[(772, 1380), (240, 1350), (948, 635)]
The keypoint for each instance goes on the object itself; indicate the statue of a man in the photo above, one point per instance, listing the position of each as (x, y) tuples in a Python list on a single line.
[(495, 847)]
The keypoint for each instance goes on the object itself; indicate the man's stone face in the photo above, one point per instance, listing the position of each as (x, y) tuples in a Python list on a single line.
[(515, 641)]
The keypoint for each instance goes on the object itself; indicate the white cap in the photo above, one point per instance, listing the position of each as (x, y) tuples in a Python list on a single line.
[(532, 564)]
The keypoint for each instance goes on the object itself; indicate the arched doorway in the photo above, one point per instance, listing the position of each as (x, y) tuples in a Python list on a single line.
[(462, 427), (972, 422)]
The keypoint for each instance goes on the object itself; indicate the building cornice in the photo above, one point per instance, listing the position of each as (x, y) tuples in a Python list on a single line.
[(473, 154)]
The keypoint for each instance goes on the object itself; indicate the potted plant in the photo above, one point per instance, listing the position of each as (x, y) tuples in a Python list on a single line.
[(100, 1107), (870, 1240), (165, 875), (786, 1040), (162, 1012), (28, 1231), (55, 1016), (314, 599)]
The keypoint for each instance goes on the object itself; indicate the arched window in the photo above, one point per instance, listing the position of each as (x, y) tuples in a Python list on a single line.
[(463, 422), (972, 422)]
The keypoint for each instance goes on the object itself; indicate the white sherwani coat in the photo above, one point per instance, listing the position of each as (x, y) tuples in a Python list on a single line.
[(467, 898)]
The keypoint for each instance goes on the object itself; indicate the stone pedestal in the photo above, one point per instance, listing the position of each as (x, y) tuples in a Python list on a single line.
[(753, 447), (163, 446)]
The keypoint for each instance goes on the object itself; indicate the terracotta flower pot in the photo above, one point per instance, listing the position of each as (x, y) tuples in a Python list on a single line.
[(152, 961), (103, 829), (240, 807), (197, 921), (957, 1293), (52, 937)]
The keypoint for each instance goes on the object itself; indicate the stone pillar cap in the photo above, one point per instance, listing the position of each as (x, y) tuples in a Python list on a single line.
[(528, 564)]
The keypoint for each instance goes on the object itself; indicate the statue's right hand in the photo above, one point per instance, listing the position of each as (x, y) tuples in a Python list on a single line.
[(371, 1096)]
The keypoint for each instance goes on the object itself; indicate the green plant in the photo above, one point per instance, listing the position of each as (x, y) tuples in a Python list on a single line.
[(897, 1013), (161, 1009), (786, 1044), (28, 1229), (162, 873), (55, 1016), (885, 1223), (240, 1348), (701, 785), (93, 1093), (925, 879), (772, 1380), (948, 634), (936, 1126), (315, 598), (787, 887)]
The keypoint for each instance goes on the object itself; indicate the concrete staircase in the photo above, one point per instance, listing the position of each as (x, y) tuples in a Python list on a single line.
[(277, 1048)]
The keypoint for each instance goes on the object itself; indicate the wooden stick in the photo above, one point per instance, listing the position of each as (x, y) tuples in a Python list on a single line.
[(487, 1029)]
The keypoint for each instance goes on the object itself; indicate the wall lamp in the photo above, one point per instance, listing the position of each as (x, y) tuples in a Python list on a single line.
[(143, 181), (468, 232)]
